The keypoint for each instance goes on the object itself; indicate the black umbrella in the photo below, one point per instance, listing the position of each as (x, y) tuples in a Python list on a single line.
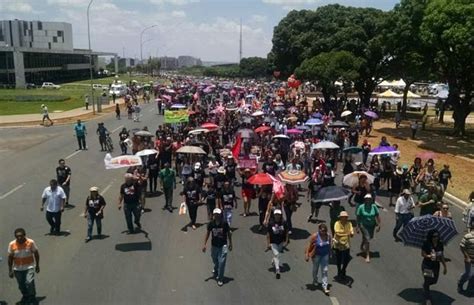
[(331, 193)]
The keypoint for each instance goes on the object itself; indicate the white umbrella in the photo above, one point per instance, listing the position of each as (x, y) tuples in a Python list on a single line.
[(258, 113), (191, 150), (353, 178), (143, 133), (281, 136), (346, 113), (198, 131), (146, 152), (325, 145)]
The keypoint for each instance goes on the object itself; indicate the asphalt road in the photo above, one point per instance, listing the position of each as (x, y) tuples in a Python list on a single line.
[(166, 265)]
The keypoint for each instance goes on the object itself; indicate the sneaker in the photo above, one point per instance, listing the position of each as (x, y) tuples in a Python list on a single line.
[(326, 291), (220, 283), (88, 239), (194, 227), (277, 276), (289, 232), (310, 217), (142, 211)]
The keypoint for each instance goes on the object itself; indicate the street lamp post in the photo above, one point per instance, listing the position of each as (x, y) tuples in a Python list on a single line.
[(90, 56), (141, 40)]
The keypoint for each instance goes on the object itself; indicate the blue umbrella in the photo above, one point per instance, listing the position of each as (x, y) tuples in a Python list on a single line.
[(331, 193), (415, 232), (353, 150), (302, 127), (178, 106), (312, 122), (317, 115)]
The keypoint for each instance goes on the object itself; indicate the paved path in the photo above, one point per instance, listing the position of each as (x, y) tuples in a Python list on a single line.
[(166, 266)]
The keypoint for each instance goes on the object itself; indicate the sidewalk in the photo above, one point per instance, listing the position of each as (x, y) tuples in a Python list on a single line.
[(58, 117)]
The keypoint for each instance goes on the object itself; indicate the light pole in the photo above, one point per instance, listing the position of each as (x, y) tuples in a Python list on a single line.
[(90, 56), (141, 40)]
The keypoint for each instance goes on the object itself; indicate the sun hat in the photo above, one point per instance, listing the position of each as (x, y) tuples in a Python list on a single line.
[(217, 211), (343, 214), (221, 170), (94, 189), (406, 192), (399, 171), (368, 196)]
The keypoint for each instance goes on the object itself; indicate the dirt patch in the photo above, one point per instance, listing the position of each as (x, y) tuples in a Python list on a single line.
[(458, 153)]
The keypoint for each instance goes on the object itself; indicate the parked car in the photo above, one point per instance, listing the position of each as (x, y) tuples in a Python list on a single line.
[(50, 86), (100, 87), (414, 106), (118, 90), (30, 86)]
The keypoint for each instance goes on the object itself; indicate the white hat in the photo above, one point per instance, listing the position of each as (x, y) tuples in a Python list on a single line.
[(197, 165), (277, 211), (94, 189), (221, 170), (368, 196), (358, 163), (217, 211)]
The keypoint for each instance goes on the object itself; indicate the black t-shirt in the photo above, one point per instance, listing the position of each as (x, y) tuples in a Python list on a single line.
[(314, 188), (94, 205), (62, 173), (277, 232), (230, 170), (270, 167), (191, 194), (123, 135), (210, 196), (130, 193), (228, 197), (444, 175), (430, 249), (219, 180), (219, 233)]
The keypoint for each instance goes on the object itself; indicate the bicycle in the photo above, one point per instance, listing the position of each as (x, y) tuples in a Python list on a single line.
[(109, 146)]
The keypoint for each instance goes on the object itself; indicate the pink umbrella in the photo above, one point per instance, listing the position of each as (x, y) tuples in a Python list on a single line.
[(209, 126), (294, 131)]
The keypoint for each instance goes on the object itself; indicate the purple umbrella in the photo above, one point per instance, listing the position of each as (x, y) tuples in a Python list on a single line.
[(317, 115), (371, 114), (384, 150), (294, 131)]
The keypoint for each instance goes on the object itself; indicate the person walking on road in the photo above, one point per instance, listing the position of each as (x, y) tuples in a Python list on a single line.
[(168, 184), (277, 239), (319, 250), (102, 133), (368, 220), (130, 199), (81, 133), (414, 128), (228, 201), (123, 135), (192, 195), (343, 232), (467, 249), (94, 211), (403, 212), (23, 262), (117, 111), (45, 112), (63, 176), (221, 243), (432, 252), (54, 198)]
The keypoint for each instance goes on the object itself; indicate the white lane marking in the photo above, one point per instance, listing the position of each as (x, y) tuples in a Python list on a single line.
[(73, 154), (334, 301), (107, 187), (118, 128), (12, 191)]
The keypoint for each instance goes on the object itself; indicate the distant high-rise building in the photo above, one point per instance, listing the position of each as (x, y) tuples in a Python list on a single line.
[(188, 61), (169, 63)]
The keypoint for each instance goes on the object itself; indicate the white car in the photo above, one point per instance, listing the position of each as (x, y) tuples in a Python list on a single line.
[(99, 87), (50, 86), (118, 90), (414, 106)]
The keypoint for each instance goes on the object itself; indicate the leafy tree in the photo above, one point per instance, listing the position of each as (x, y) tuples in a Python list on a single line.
[(327, 68), (448, 28), (254, 67)]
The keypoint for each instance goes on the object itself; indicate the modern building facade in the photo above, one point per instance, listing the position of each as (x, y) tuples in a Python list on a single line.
[(169, 63), (188, 61), (37, 51)]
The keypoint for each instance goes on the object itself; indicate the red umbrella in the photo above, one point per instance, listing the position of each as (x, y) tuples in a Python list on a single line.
[(262, 129), (261, 179), (209, 126)]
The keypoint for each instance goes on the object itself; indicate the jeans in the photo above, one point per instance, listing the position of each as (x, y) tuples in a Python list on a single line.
[(90, 223), (276, 250), (67, 191), (168, 196), (26, 282), (128, 210), (342, 260), (54, 220), (219, 257), (323, 262), (192, 211), (402, 221), (467, 275), (228, 216), (81, 141), (153, 180)]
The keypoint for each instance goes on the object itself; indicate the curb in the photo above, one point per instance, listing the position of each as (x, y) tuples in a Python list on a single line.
[(454, 200)]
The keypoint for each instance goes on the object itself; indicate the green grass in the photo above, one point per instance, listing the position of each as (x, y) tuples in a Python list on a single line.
[(70, 96)]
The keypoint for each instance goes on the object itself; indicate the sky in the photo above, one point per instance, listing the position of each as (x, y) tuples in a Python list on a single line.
[(208, 29)]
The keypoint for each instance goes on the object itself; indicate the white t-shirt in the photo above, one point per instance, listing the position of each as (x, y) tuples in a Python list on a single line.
[(53, 199), (403, 206)]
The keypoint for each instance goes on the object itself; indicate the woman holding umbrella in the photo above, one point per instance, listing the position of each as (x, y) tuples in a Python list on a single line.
[(432, 252), (368, 220)]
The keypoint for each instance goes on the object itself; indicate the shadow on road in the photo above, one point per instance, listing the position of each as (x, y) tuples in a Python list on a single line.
[(37, 301), (415, 295), (128, 247), (283, 268), (255, 230), (299, 234)]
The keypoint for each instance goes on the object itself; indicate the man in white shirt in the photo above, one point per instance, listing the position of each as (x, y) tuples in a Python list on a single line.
[(403, 211), (54, 198)]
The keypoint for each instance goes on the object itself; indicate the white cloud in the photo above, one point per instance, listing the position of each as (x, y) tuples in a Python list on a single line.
[(258, 18), (290, 2), (174, 2), (15, 6), (69, 3), (178, 14)]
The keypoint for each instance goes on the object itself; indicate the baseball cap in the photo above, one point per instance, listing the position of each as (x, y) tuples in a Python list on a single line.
[(94, 189), (277, 211), (368, 196), (217, 211)]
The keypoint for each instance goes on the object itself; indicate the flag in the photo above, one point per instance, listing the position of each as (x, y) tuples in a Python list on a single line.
[(278, 188), (237, 145)]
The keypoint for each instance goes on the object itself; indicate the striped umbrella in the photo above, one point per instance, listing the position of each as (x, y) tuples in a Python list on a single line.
[(331, 193), (293, 177), (415, 232)]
